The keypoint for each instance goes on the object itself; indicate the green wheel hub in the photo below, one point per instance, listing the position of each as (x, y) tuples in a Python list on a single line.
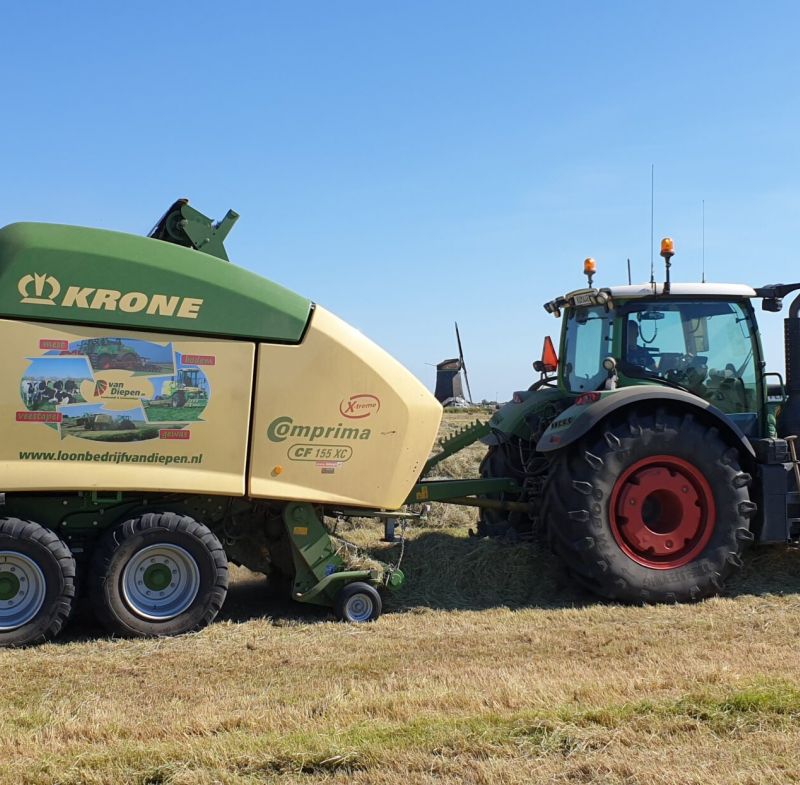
[(9, 586), (157, 577), (23, 589), (160, 582)]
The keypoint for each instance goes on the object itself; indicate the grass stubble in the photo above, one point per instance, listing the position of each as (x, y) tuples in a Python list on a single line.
[(488, 667)]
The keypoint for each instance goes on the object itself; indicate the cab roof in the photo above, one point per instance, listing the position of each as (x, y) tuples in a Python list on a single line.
[(632, 291)]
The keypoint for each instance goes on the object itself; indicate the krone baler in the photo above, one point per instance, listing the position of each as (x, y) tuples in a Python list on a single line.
[(164, 412)]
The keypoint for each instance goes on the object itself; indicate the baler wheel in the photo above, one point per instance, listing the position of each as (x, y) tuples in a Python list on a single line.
[(158, 574), (37, 583), (653, 508), (358, 602)]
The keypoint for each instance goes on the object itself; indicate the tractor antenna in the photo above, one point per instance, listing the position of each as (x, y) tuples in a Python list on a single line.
[(652, 213), (463, 366), (629, 271), (704, 241)]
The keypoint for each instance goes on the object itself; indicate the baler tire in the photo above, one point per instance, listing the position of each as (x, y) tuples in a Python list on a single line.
[(185, 548), (693, 482), (43, 554), (357, 603)]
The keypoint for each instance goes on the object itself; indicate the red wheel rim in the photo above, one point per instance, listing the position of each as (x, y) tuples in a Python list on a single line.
[(662, 512)]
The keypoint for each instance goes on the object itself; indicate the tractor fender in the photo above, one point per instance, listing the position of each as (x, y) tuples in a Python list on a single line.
[(580, 418)]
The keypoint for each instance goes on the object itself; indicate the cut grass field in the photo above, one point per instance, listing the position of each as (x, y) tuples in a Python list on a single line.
[(164, 412), (488, 667)]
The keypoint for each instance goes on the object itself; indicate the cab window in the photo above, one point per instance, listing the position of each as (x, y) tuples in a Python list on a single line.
[(706, 347), (588, 343)]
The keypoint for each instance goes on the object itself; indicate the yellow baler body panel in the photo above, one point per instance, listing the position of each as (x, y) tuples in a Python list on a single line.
[(337, 420), (73, 420)]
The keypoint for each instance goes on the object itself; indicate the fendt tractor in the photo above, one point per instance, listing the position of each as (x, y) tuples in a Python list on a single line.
[(280, 414), (657, 447)]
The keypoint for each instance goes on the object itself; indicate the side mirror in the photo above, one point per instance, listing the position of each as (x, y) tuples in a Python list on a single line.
[(549, 361)]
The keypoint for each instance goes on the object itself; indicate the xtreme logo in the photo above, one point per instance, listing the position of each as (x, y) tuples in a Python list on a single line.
[(43, 289)]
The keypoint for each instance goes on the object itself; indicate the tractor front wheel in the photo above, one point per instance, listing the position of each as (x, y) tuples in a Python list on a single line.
[(512, 459), (653, 508), (501, 460)]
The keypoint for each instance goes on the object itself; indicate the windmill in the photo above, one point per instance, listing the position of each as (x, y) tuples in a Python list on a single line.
[(449, 389)]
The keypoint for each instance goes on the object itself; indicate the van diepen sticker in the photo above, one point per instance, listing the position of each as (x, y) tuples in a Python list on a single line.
[(110, 389)]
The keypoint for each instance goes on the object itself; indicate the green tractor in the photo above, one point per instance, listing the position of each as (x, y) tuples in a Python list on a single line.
[(107, 354), (654, 450), (189, 388)]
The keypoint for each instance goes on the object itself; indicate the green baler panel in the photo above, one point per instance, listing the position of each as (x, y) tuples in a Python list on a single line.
[(72, 274)]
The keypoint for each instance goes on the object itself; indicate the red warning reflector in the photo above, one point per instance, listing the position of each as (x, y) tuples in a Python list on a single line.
[(549, 356)]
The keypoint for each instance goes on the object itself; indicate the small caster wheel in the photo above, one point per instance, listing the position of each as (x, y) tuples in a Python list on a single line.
[(358, 602)]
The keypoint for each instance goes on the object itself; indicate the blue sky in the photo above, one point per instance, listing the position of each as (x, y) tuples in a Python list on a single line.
[(58, 368), (411, 164)]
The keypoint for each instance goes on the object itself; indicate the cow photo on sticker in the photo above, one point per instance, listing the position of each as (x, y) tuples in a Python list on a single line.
[(49, 382)]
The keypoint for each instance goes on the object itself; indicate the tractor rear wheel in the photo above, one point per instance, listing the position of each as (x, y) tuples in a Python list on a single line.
[(158, 574), (37, 583), (652, 508)]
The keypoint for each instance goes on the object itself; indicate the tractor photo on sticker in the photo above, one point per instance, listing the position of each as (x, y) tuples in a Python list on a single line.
[(184, 395), (111, 353)]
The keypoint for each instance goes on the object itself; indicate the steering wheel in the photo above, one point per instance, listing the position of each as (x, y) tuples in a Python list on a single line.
[(689, 373)]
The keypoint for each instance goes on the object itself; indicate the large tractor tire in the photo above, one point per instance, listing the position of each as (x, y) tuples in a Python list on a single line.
[(37, 583), (652, 508), (156, 575)]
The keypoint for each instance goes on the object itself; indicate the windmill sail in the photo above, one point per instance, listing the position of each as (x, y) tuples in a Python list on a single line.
[(463, 364)]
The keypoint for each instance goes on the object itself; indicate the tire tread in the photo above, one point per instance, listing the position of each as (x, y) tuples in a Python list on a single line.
[(63, 603)]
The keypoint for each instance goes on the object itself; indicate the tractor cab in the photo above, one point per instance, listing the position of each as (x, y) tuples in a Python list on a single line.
[(699, 338)]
